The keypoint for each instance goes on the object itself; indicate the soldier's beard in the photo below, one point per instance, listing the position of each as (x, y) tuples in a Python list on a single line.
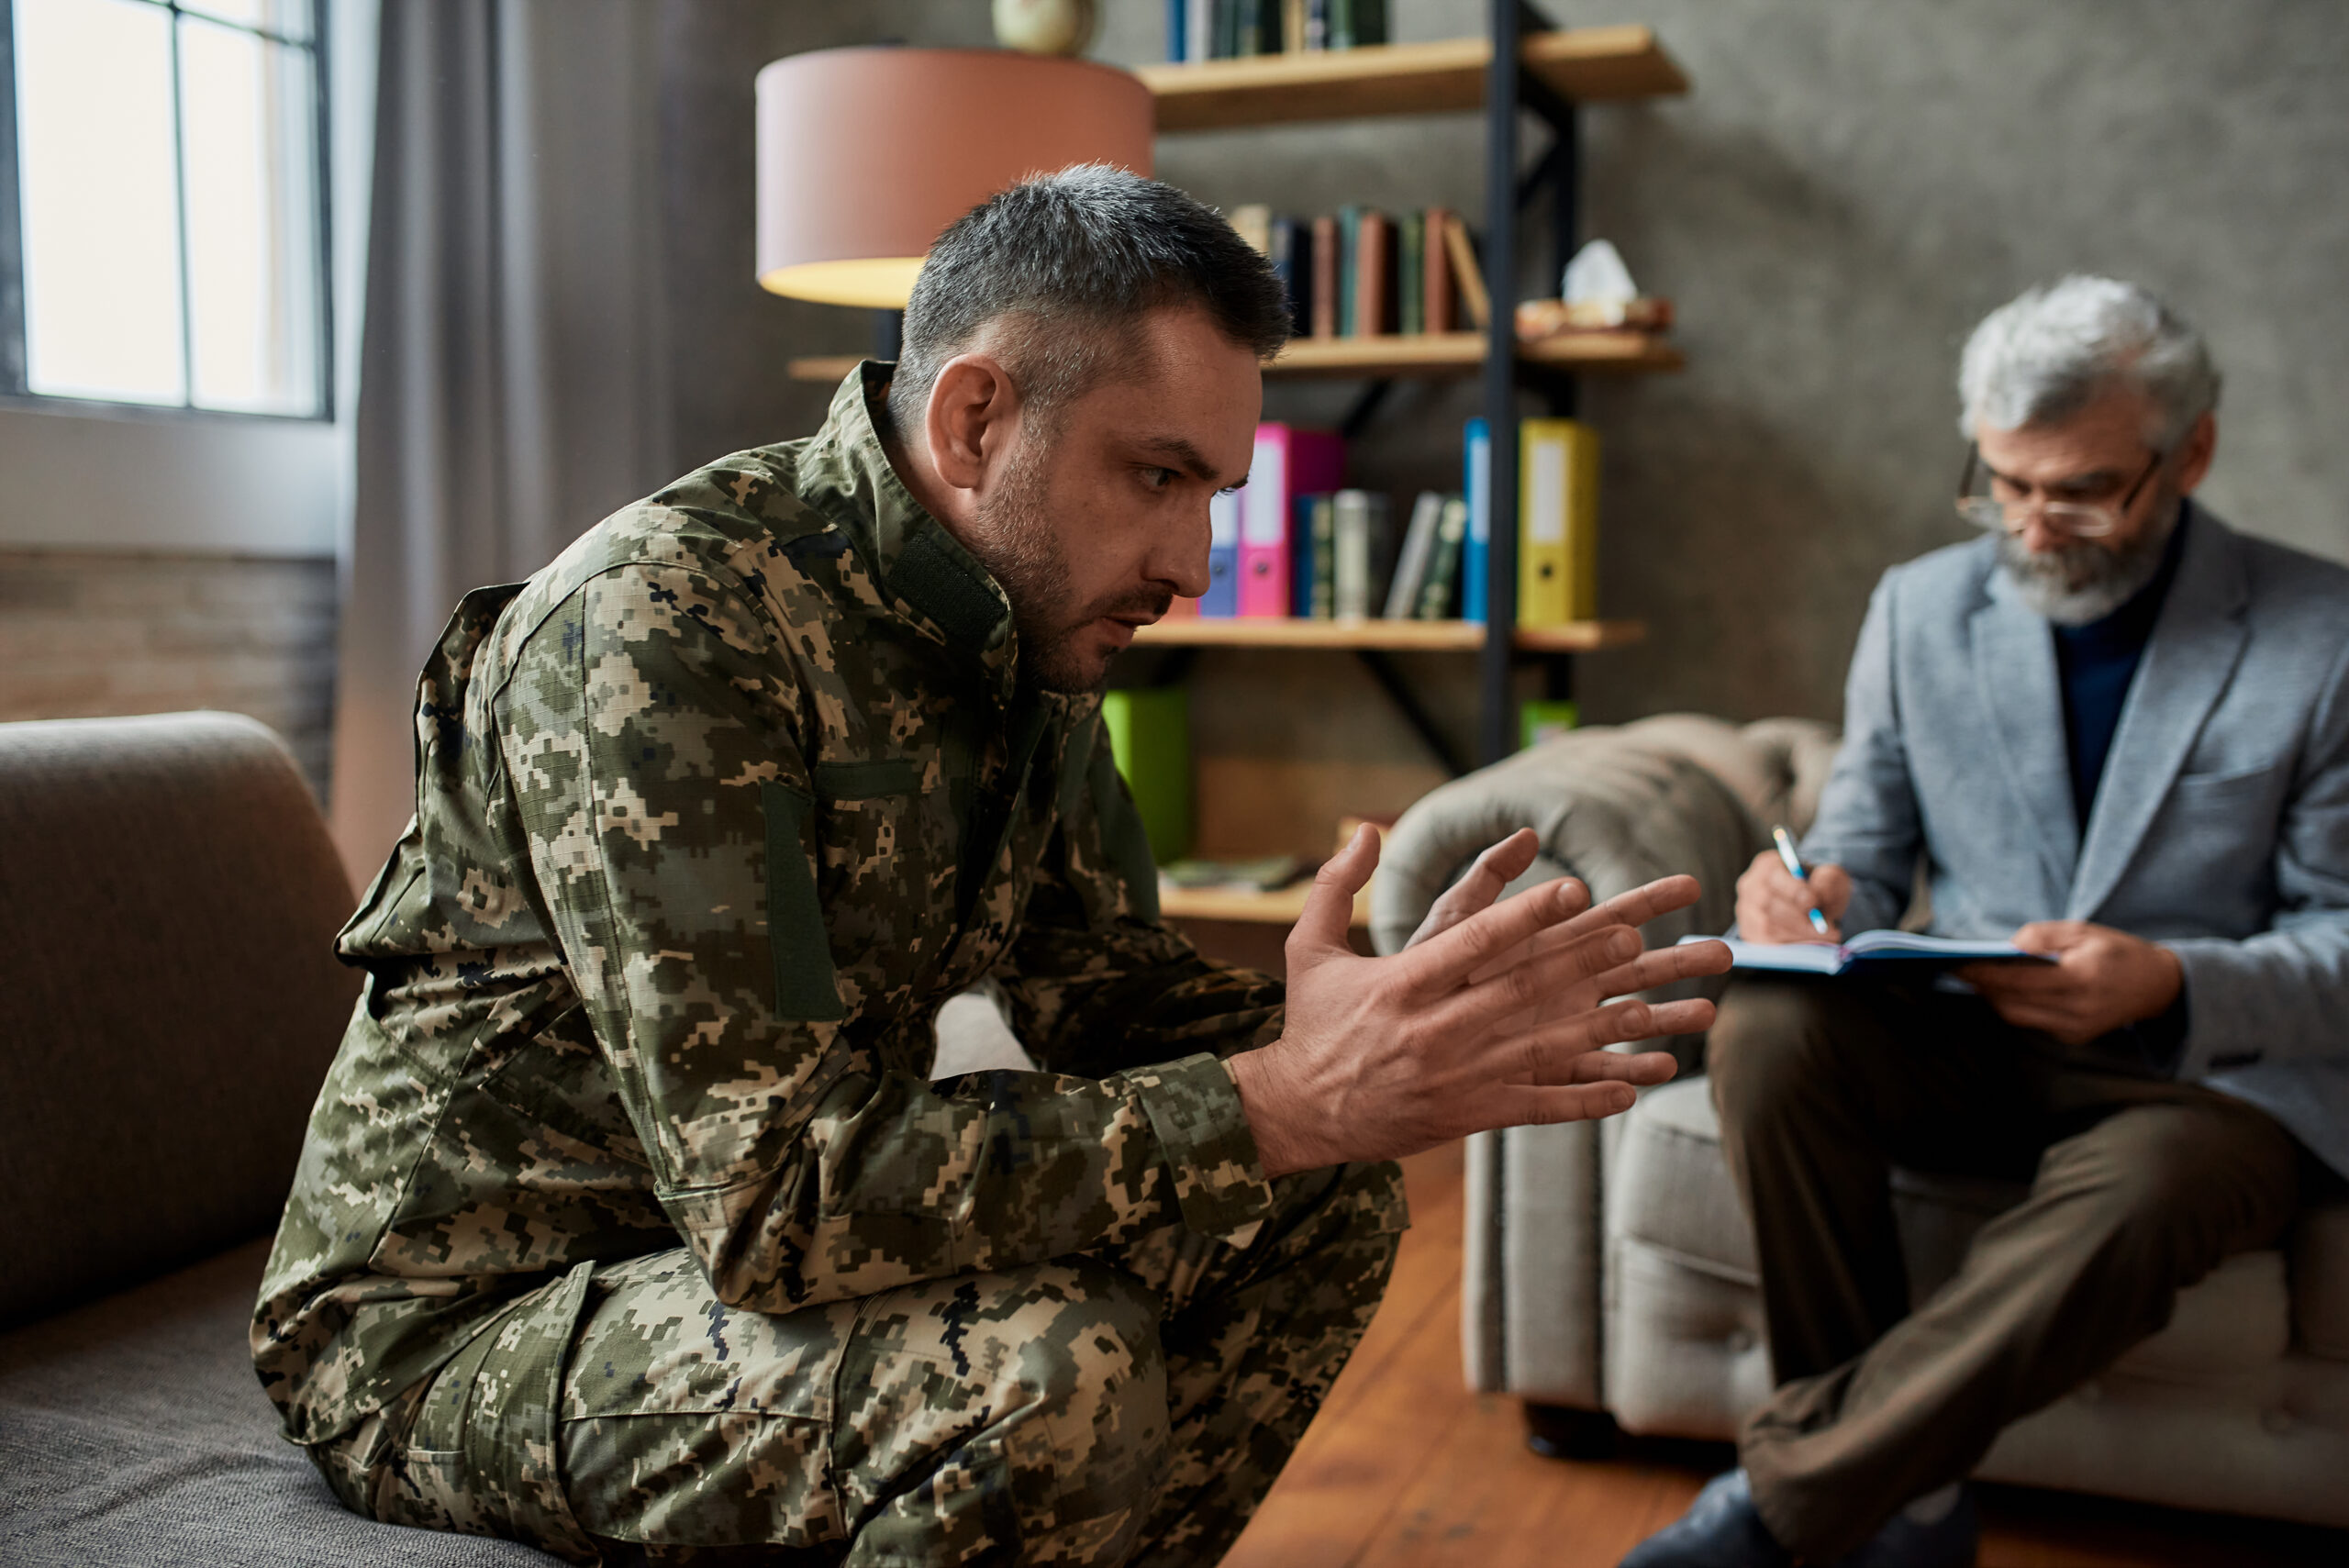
[(1014, 541)]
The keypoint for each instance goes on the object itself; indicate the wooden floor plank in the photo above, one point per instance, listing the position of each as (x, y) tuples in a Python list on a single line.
[(1406, 1468)]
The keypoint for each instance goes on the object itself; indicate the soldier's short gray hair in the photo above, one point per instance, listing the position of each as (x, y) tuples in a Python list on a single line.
[(2046, 354), (1080, 255)]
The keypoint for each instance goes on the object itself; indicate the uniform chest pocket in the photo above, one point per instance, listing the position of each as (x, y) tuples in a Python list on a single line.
[(885, 866)]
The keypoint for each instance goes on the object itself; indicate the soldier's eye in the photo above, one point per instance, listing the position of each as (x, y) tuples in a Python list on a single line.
[(1158, 478)]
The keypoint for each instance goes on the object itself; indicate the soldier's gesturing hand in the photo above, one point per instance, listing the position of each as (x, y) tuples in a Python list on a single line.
[(1493, 1017)]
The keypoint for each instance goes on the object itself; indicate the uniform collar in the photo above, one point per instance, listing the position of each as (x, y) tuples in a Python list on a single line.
[(923, 569)]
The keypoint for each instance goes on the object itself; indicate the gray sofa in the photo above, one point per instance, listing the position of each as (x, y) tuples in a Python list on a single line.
[(1612, 1270), (169, 1002)]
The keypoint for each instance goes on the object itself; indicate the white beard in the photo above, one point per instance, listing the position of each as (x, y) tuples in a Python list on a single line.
[(2076, 585)]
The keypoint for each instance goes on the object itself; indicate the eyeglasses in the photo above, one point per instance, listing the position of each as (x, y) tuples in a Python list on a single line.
[(1977, 504)]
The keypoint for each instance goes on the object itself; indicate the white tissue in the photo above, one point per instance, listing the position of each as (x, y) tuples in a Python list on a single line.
[(1598, 276)]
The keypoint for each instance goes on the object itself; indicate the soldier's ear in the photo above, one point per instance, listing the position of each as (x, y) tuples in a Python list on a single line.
[(972, 412)]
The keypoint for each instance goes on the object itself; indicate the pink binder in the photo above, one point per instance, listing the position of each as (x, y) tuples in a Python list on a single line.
[(1289, 463)]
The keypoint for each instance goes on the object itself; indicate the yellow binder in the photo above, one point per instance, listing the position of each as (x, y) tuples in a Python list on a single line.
[(1557, 540)]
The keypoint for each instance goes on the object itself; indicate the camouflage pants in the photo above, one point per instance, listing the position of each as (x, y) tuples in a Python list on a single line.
[(1131, 1404)]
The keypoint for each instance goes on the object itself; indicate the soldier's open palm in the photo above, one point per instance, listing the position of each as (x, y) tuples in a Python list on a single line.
[(1493, 1017)]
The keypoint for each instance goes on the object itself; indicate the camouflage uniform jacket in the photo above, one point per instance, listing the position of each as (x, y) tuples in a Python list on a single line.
[(712, 815)]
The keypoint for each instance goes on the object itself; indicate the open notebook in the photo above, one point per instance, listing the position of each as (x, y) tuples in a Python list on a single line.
[(1871, 950)]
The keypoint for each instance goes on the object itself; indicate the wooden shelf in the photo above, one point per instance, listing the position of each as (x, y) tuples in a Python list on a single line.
[(1428, 355), (1284, 906), (1584, 64), (1383, 636), (1436, 354)]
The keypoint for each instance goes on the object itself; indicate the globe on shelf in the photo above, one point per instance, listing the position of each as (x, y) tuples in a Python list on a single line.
[(1044, 27)]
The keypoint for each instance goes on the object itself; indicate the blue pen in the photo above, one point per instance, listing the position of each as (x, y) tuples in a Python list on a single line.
[(1785, 841)]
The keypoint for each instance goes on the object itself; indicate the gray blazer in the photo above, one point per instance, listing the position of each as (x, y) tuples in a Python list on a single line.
[(2220, 827)]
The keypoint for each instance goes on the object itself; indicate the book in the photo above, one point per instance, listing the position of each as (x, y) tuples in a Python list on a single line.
[(1199, 29), (1353, 23), (1478, 483), (1253, 221), (1289, 249), (1349, 271), (1410, 282), (1411, 559), (1293, 27), (1374, 274), (1871, 952), (1435, 271), (1444, 564), (1178, 30), (1248, 24), (1470, 277), (1317, 559), (1323, 295), (1222, 597), (1289, 462), (1150, 739), (1361, 531), (1557, 551), (1317, 24)]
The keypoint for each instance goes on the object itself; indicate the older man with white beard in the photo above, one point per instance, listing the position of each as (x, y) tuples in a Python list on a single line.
[(2118, 733)]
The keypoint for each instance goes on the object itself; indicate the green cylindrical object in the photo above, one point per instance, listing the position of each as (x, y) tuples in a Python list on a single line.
[(1150, 736)]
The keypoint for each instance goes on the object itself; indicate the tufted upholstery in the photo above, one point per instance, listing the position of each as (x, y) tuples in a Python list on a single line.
[(1613, 1269)]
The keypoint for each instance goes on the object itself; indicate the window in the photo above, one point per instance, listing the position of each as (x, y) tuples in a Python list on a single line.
[(162, 204)]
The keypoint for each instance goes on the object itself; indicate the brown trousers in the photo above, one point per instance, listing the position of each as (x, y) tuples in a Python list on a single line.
[(2139, 1187)]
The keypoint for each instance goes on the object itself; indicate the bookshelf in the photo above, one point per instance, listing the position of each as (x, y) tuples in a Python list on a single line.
[(1421, 355), (1522, 70), (1584, 65), (1385, 636)]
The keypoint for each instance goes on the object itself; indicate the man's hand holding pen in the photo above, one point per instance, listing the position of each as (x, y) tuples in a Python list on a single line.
[(1775, 906)]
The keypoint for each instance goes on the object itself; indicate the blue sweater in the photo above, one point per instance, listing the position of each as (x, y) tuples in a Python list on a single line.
[(2096, 663)]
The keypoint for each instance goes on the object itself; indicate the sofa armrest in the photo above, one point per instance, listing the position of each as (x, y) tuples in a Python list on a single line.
[(1614, 806)]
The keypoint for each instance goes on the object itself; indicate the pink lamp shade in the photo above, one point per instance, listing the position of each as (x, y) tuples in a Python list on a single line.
[(865, 155)]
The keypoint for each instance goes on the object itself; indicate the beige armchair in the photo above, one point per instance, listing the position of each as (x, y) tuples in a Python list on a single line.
[(1610, 1272)]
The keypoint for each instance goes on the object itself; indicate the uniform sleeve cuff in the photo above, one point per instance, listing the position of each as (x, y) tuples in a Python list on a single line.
[(1219, 1182)]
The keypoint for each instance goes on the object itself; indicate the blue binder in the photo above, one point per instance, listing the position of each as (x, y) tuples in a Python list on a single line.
[(1478, 481)]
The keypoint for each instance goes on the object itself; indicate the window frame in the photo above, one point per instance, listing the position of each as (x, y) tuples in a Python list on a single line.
[(15, 392)]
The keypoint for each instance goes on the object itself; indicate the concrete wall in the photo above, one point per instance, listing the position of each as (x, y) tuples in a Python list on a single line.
[(1845, 190)]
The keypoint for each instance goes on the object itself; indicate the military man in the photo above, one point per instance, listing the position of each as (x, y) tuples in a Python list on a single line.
[(630, 1223)]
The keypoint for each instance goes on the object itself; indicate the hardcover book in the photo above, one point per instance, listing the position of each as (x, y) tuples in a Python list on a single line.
[(1412, 293), (1359, 570), (1436, 311), (1323, 295), (1412, 559), (1437, 598), (1870, 952)]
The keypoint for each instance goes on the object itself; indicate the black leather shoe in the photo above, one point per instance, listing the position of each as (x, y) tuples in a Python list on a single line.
[(1720, 1530), (1950, 1542)]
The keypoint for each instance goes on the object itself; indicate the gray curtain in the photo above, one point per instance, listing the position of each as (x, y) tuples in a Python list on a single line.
[(512, 376)]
